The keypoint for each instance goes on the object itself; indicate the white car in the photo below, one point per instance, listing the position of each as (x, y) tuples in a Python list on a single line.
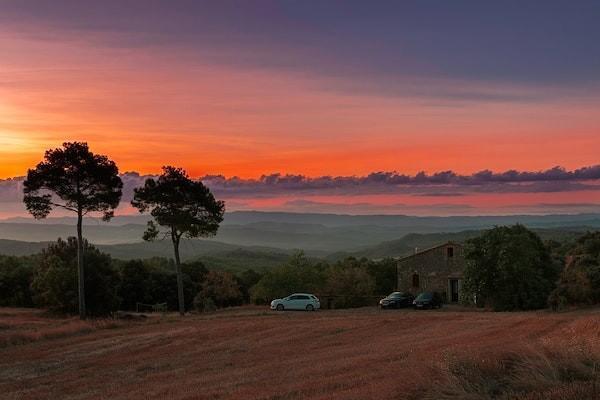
[(297, 301)]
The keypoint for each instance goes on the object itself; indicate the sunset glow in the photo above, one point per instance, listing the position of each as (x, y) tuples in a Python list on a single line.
[(220, 90)]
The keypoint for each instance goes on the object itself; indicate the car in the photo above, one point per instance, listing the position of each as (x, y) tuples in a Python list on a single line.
[(428, 300), (397, 300), (297, 301)]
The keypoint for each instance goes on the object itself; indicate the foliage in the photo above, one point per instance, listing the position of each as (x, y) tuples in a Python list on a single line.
[(196, 271), (55, 279), (298, 275), (509, 268), (84, 181), (352, 285), (580, 280), (16, 274), (222, 288), (185, 207), (246, 280), (153, 281), (204, 305), (354, 281)]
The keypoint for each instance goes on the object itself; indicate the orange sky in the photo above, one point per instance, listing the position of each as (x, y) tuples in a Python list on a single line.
[(247, 121), (245, 99)]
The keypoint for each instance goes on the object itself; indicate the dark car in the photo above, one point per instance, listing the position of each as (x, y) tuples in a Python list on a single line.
[(428, 300), (397, 300)]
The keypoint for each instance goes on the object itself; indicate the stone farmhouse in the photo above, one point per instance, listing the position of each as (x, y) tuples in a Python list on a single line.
[(437, 269)]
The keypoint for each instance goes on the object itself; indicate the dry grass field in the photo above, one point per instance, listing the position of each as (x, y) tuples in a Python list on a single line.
[(250, 353)]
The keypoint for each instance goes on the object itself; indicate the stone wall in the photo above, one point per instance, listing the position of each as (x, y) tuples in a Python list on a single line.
[(431, 270)]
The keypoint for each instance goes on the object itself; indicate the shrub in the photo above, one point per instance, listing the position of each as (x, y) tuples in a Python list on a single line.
[(203, 305)]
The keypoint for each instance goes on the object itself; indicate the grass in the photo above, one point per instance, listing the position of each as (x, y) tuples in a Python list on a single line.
[(20, 326), (245, 353)]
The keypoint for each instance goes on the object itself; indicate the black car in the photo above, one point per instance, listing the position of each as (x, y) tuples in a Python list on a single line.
[(397, 300), (428, 300)]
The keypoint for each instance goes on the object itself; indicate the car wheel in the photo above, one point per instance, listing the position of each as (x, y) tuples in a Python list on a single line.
[(310, 307), (279, 307)]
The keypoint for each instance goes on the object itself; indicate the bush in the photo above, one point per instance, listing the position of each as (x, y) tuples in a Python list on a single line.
[(16, 274), (55, 279), (204, 305), (222, 288)]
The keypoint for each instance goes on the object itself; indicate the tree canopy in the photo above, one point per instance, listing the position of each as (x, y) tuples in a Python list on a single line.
[(81, 181), (580, 280), (509, 268)]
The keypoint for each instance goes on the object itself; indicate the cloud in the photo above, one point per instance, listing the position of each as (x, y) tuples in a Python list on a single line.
[(444, 183), (439, 184)]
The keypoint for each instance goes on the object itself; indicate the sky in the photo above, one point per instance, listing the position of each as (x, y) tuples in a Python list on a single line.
[(316, 90)]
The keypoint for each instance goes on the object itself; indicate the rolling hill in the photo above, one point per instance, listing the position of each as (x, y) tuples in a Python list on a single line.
[(317, 234)]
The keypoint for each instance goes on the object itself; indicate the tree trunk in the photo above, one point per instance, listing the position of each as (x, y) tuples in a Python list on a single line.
[(179, 274), (80, 269)]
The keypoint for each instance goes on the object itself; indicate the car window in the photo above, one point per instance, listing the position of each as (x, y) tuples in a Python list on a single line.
[(425, 296), (302, 297), (293, 298)]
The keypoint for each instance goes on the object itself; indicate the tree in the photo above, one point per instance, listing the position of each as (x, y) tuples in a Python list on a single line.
[(16, 274), (297, 275), (154, 281), (186, 208), (222, 288), (509, 268), (55, 279), (351, 284), (77, 180), (579, 282)]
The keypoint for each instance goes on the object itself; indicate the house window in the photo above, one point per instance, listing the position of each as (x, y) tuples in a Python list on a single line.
[(415, 279), (450, 251)]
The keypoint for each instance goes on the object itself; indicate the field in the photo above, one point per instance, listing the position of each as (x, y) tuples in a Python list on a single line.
[(251, 353)]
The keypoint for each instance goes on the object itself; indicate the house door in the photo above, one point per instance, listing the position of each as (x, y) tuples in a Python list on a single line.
[(454, 290)]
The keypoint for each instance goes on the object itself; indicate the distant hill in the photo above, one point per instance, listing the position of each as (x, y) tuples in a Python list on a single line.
[(317, 234), (415, 241), (214, 255), (19, 248), (233, 257)]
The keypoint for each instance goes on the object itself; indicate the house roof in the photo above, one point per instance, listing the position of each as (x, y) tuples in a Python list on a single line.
[(448, 243)]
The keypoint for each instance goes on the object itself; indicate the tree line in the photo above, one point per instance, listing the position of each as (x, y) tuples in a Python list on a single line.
[(508, 268), (49, 280)]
